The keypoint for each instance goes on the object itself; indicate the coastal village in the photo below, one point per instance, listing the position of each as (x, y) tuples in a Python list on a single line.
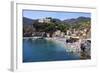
[(75, 40)]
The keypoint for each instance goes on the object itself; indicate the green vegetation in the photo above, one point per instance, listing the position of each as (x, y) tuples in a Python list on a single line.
[(56, 24), (53, 26)]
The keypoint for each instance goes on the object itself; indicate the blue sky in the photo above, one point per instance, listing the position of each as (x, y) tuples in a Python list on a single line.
[(60, 15)]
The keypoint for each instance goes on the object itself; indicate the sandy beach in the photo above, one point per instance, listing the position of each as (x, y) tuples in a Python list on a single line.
[(70, 47)]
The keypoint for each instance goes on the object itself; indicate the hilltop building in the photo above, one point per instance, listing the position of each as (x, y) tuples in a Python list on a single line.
[(44, 20)]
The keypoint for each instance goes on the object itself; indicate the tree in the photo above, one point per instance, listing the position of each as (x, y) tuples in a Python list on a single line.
[(62, 27)]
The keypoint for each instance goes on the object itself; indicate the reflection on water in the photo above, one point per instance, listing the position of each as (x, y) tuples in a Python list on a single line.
[(44, 50)]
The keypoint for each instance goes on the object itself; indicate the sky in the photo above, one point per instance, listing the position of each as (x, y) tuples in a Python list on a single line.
[(60, 15)]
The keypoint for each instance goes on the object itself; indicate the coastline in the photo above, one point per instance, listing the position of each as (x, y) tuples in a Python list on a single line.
[(70, 47), (74, 48)]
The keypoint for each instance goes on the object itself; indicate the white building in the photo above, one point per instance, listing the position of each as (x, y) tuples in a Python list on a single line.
[(57, 33), (41, 20), (44, 20)]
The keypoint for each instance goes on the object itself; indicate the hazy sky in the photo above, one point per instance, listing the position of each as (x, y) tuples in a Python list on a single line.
[(60, 15)]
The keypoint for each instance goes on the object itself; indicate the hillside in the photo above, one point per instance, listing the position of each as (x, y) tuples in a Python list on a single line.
[(28, 21)]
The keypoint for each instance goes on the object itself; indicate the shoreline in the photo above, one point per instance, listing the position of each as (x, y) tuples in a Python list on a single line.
[(70, 47), (74, 47)]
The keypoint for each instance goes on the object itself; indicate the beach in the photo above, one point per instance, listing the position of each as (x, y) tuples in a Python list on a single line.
[(74, 47), (70, 47)]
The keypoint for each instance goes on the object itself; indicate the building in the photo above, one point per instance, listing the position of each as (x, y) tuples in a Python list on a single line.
[(57, 33), (45, 20)]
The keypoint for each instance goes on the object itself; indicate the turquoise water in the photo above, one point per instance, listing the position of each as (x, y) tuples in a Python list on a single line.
[(43, 50)]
